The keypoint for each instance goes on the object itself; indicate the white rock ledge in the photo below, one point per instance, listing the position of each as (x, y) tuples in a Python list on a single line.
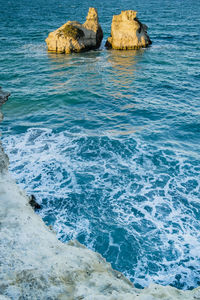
[(35, 265)]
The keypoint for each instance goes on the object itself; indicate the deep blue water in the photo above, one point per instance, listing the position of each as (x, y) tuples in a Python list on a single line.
[(109, 141)]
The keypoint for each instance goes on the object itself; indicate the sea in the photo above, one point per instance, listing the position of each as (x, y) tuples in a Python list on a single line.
[(109, 141)]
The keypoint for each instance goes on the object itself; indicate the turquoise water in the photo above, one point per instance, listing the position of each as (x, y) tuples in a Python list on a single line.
[(109, 141)]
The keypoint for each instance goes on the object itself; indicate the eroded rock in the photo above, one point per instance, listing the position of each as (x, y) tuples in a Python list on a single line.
[(76, 37), (127, 32)]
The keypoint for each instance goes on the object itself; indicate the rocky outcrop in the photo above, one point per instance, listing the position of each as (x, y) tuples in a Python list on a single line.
[(35, 265), (76, 37), (127, 32)]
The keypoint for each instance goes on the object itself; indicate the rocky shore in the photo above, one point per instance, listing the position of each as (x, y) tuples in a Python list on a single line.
[(35, 265)]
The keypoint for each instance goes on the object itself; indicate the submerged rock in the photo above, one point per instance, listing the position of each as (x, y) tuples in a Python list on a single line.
[(127, 32), (76, 37)]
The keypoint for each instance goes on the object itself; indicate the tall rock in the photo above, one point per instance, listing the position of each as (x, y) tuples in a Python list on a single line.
[(127, 32), (76, 37), (3, 157)]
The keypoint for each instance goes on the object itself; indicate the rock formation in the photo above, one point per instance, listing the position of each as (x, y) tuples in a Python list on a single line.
[(76, 37), (35, 265), (3, 96), (127, 32)]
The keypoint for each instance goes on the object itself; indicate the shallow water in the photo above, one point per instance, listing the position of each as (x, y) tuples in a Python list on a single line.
[(108, 141)]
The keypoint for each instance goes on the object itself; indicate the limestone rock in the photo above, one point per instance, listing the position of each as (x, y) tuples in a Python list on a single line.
[(76, 37), (127, 32)]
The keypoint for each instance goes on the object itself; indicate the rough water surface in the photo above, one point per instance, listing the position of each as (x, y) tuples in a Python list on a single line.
[(108, 141)]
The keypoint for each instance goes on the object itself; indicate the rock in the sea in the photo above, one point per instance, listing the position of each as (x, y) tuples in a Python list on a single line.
[(33, 203), (3, 96), (127, 32), (76, 37)]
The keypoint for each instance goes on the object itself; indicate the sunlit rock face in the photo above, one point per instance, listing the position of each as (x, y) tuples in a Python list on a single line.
[(127, 32), (76, 37)]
